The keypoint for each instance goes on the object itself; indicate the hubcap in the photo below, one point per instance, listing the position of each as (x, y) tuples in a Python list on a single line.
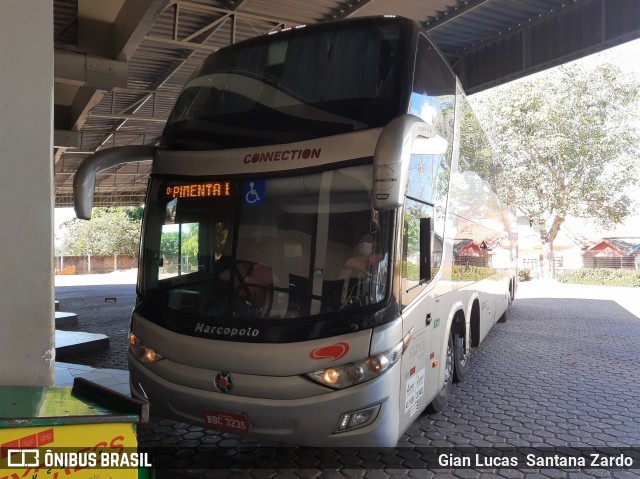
[(464, 354), (448, 372)]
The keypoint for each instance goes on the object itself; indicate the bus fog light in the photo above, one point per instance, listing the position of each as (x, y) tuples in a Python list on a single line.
[(357, 419)]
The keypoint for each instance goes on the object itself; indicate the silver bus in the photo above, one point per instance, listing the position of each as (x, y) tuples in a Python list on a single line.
[(322, 244)]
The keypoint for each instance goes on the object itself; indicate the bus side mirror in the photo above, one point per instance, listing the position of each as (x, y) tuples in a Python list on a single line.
[(402, 137), (84, 180), (426, 235)]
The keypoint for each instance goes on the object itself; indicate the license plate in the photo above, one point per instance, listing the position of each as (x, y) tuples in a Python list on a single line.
[(224, 421)]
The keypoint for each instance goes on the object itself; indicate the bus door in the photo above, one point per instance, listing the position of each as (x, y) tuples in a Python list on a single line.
[(419, 380), (420, 255)]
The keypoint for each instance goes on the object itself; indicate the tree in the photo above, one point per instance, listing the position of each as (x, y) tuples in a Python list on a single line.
[(568, 146), (180, 246), (111, 231)]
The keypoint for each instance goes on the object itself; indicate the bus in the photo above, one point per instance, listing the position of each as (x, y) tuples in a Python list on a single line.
[(322, 243)]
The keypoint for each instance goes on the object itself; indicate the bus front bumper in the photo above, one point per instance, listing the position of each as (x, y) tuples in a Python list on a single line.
[(309, 421)]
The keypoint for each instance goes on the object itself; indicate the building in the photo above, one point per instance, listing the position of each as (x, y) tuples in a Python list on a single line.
[(619, 253)]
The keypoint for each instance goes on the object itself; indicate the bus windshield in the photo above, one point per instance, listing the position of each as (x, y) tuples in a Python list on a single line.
[(264, 248), (268, 92)]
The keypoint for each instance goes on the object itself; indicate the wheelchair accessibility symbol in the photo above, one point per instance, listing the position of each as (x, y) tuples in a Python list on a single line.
[(252, 195), (253, 192)]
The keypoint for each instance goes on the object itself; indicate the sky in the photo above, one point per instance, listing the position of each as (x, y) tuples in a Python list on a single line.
[(626, 56), (61, 215)]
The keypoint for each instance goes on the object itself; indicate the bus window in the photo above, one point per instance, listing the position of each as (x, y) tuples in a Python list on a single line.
[(284, 256), (434, 92), (267, 91), (476, 154), (411, 286), (433, 99), (178, 245)]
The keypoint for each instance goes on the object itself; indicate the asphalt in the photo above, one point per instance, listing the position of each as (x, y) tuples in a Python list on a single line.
[(559, 378)]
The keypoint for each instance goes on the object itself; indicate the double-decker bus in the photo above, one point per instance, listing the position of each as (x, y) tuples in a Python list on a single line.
[(322, 245)]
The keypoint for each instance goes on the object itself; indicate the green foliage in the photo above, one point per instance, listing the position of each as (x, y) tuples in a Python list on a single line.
[(601, 276), (190, 243), (135, 214), (568, 144), (411, 270), (170, 246), (110, 231), (412, 229), (476, 153), (471, 273), (524, 274)]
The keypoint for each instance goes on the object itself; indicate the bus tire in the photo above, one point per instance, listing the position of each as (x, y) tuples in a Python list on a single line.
[(461, 358), (441, 399)]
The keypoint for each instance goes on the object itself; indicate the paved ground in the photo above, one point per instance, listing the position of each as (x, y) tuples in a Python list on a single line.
[(562, 372), (85, 295)]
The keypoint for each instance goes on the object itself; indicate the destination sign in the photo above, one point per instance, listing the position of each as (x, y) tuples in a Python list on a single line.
[(200, 190)]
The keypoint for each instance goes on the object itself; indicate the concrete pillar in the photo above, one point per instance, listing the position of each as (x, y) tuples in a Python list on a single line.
[(27, 347)]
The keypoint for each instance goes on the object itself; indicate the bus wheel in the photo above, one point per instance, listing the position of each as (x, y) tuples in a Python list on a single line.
[(440, 401), (461, 358)]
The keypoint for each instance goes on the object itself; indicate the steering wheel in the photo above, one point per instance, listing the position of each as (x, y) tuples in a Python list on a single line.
[(245, 304)]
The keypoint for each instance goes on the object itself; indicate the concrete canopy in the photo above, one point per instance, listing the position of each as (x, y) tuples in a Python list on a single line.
[(120, 64)]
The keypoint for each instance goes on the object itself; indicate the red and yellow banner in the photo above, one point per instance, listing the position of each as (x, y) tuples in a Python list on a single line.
[(82, 451)]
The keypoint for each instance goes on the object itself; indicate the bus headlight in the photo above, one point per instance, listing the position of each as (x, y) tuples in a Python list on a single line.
[(357, 372), (142, 352)]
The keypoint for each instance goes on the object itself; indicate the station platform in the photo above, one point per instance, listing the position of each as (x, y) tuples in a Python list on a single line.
[(115, 379), (92, 341), (70, 343)]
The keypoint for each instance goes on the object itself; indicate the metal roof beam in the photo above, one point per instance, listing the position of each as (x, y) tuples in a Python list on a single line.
[(148, 132), (105, 199), (116, 116), (351, 7), (83, 102), (87, 70), (449, 15), (196, 7), (181, 43), (65, 139), (190, 42), (134, 20), (141, 91), (528, 6), (72, 117), (208, 33), (206, 28), (115, 29)]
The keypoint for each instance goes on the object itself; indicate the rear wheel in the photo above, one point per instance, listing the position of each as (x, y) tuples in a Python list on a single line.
[(461, 357), (440, 401)]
